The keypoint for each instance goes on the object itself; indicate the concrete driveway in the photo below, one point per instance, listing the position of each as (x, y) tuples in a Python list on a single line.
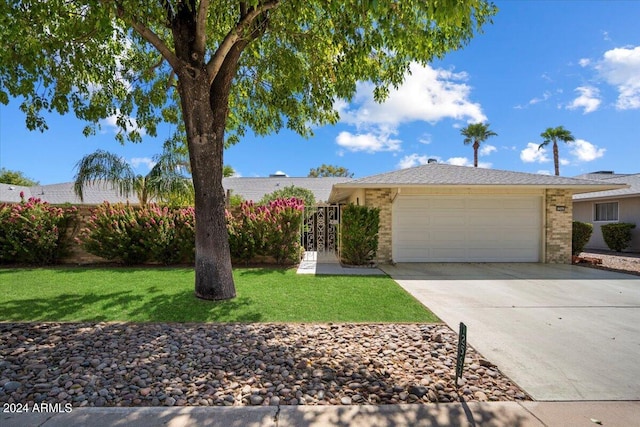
[(561, 332)]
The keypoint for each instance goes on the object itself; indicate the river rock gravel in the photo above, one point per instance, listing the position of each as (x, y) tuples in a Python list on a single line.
[(146, 364)]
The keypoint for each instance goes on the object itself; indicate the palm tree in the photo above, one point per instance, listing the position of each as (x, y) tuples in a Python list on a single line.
[(161, 183), (476, 133), (554, 135)]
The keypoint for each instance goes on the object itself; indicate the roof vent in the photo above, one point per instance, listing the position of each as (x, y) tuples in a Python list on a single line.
[(603, 172), (279, 174), (430, 161)]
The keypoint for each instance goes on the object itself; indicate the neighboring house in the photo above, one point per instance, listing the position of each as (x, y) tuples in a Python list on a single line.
[(256, 188), (606, 207), (249, 188), (59, 194), (444, 213)]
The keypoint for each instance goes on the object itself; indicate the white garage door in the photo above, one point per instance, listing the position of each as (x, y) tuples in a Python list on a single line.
[(467, 229)]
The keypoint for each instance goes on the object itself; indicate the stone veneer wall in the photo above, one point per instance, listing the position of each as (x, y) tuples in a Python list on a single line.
[(381, 198), (558, 227)]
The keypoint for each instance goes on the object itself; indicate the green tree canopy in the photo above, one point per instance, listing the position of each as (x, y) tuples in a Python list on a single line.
[(288, 192), (217, 69), (330, 170), (16, 178)]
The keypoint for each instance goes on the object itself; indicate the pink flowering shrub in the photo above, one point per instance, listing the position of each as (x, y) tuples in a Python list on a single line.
[(136, 235), (33, 232), (268, 230)]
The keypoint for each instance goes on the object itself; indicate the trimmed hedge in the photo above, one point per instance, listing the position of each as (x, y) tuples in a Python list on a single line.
[(33, 232), (580, 236), (617, 236), (359, 234)]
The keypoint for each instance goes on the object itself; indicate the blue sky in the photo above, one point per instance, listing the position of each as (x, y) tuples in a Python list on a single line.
[(541, 64)]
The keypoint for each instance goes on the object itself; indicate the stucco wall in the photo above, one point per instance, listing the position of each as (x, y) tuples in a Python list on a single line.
[(628, 211), (558, 226)]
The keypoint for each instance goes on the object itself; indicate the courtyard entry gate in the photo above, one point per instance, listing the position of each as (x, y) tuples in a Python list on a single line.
[(320, 233)]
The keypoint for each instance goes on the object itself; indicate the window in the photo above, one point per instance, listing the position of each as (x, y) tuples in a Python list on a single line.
[(606, 211)]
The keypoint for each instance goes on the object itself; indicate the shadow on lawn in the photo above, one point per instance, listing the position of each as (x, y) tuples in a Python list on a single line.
[(155, 306)]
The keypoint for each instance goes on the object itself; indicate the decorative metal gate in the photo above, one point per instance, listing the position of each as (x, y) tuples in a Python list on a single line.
[(320, 232)]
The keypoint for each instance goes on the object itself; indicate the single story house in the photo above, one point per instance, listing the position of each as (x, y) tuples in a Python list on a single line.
[(445, 213), (606, 207), (430, 213)]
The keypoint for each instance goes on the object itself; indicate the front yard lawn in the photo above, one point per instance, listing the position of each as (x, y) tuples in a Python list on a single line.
[(166, 295)]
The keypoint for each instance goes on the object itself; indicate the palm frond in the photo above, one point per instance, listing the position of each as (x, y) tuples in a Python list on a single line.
[(105, 167)]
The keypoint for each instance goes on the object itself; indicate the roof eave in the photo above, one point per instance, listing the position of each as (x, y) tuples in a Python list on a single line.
[(341, 192)]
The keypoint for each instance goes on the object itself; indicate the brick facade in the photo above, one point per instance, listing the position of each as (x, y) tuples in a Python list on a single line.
[(558, 227), (381, 198)]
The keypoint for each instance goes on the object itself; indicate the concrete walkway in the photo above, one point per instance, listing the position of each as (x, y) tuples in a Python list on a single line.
[(497, 414), (312, 264), (561, 332)]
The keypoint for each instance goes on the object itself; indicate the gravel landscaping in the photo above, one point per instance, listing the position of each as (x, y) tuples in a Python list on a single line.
[(622, 262), (150, 364)]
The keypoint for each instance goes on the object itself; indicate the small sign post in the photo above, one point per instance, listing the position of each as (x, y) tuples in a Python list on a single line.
[(462, 351)]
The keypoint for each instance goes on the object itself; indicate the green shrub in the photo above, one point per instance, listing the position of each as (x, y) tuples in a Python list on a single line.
[(136, 235), (617, 236), (359, 234), (33, 232), (580, 236)]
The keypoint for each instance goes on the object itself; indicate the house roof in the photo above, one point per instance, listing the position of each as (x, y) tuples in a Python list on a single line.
[(632, 189), (444, 175), (59, 194), (256, 188), (94, 194)]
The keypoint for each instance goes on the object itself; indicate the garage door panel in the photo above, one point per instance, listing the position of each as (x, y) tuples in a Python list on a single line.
[(467, 228)]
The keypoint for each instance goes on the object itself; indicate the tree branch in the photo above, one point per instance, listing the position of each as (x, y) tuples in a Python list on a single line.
[(201, 28), (149, 36), (246, 19)]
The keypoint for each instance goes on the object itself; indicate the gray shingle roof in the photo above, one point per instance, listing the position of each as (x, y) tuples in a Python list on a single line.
[(249, 188), (59, 194), (633, 181), (440, 174), (255, 188), (444, 174)]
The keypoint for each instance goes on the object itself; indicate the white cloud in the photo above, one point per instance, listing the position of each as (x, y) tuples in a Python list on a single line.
[(412, 160), (369, 142), (425, 139), (620, 67), (564, 162), (415, 159), (487, 149), (585, 151), (544, 172), (136, 162), (589, 99), (584, 62), (463, 161), (531, 154), (427, 94)]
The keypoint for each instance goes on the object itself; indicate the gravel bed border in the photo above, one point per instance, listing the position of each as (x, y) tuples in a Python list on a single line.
[(151, 364)]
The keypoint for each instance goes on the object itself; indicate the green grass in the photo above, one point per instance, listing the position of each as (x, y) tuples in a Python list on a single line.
[(166, 295)]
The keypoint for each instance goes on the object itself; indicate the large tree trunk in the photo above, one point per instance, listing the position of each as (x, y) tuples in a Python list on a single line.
[(205, 115)]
